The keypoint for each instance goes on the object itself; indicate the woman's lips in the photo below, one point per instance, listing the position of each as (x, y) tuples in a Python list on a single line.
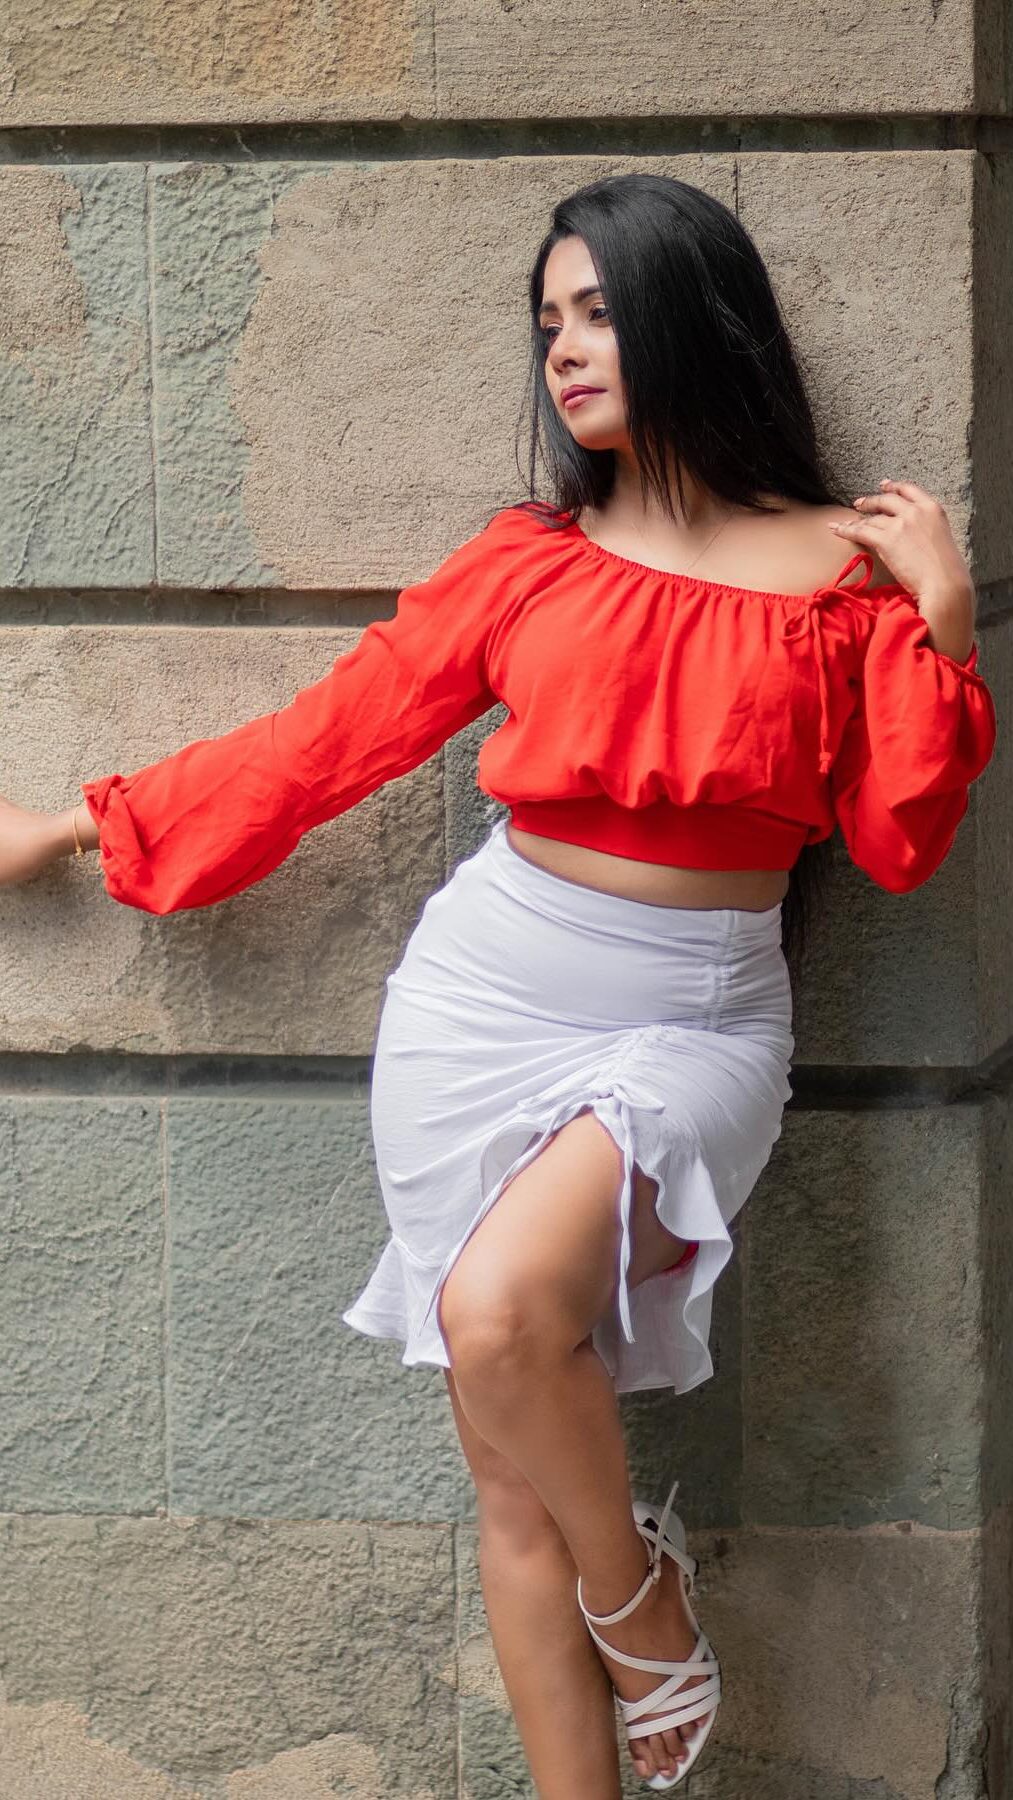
[(578, 399)]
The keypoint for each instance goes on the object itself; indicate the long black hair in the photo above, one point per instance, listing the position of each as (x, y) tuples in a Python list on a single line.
[(709, 372)]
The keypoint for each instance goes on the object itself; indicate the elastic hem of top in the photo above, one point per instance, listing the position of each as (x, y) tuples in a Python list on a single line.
[(690, 837)]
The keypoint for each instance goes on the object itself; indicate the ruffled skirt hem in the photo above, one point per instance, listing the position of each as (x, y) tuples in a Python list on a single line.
[(660, 1336)]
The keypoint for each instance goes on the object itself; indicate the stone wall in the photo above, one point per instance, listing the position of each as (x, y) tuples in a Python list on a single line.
[(237, 1556)]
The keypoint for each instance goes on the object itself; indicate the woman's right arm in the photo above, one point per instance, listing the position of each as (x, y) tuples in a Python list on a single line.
[(222, 813)]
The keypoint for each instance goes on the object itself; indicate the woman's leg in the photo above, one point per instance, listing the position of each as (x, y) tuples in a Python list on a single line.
[(516, 1311), (559, 1693)]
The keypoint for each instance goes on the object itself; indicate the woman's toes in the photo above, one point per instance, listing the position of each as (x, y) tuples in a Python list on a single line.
[(674, 1749), (643, 1761), (663, 1759)]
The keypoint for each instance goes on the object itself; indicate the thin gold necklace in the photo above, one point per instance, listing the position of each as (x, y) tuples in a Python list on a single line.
[(710, 541)]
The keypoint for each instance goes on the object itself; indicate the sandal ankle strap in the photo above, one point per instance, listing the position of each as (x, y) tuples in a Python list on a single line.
[(653, 1575), (653, 1572)]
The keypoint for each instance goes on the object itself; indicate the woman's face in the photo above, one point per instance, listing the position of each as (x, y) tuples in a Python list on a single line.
[(580, 348)]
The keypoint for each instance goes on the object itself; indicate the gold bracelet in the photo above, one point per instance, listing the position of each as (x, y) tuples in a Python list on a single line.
[(78, 846)]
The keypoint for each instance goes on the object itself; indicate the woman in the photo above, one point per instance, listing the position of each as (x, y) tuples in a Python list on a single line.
[(583, 1055)]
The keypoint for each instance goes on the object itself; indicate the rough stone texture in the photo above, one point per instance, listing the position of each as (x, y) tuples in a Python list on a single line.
[(278, 1407), (996, 1257), (854, 1656), (994, 873), (872, 259), (204, 1650), (81, 1403), (493, 1763), (991, 436), (698, 1435), (634, 59), (369, 435), (203, 303), (48, 1753), (75, 451), (997, 1638), (293, 965), (340, 1764), (865, 1353), (166, 61)]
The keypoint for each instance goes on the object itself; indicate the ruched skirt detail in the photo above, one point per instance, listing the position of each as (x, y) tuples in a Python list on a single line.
[(523, 998)]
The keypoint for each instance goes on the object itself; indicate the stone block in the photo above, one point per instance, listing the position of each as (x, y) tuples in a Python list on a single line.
[(294, 965), (279, 1408), (75, 377), (493, 1763), (645, 60), (164, 62), (997, 1649), (696, 1436), (83, 1424), (995, 1253), (853, 1664), (990, 436), (237, 1660), (872, 256), (865, 1344)]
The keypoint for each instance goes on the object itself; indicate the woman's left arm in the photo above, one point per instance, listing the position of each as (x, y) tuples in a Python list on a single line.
[(923, 725)]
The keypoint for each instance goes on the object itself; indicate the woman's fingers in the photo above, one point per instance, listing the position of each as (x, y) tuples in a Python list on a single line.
[(909, 489), (873, 503), (908, 529)]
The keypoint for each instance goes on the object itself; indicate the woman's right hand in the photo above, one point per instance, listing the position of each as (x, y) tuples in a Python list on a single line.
[(30, 841)]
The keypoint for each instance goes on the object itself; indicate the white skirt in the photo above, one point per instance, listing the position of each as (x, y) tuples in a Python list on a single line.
[(523, 997)]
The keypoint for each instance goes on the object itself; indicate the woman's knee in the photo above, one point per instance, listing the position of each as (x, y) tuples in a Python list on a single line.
[(493, 1333)]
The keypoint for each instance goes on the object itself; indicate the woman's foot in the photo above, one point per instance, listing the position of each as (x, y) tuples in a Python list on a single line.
[(658, 1628)]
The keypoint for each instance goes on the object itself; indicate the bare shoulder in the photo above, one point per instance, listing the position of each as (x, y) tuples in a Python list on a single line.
[(816, 555)]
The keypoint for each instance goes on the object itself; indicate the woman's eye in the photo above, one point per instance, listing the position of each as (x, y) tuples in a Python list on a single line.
[(548, 331)]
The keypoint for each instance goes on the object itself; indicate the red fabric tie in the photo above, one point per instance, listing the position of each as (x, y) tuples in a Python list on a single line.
[(808, 617)]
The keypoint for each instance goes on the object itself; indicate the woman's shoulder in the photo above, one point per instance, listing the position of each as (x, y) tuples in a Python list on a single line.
[(813, 555)]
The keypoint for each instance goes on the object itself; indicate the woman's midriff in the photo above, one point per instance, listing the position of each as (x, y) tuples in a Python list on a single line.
[(754, 890)]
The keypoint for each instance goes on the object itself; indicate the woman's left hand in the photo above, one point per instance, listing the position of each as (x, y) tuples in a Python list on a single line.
[(909, 531)]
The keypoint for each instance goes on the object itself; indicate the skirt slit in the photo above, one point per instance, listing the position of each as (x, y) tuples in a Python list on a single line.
[(523, 999)]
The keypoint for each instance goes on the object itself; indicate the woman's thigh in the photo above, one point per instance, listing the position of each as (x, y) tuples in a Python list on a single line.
[(545, 1256)]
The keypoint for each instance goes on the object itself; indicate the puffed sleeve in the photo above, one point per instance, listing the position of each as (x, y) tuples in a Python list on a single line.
[(223, 812), (922, 728)]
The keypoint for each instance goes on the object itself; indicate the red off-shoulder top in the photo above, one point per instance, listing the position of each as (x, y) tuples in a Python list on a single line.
[(657, 716)]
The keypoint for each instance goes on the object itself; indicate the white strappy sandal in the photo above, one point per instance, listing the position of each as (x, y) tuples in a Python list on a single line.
[(664, 1534)]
